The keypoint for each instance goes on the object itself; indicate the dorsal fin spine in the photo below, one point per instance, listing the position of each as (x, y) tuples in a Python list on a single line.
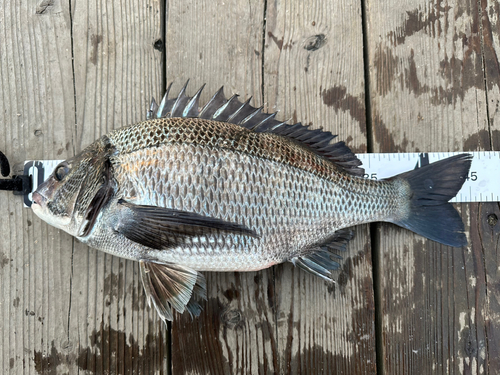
[(278, 125), (160, 113), (192, 106), (233, 111), (212, 100), (152, 109), (224, 106), (238, 111), (298, 130), (264, 121), (251, 115), (180, 97)]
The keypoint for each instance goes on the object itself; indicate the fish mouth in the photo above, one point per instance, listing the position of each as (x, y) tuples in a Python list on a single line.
[(40, 208), (38, 201)]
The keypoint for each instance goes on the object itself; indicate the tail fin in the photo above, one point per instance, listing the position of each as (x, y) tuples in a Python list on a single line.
[(432, 186)]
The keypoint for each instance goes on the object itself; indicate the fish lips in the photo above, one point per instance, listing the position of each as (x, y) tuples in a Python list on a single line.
[(38, 201), (41, 210), (39, 204)]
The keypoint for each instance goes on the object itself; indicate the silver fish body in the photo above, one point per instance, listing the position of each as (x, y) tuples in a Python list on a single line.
[(204, 192), (291, 209)]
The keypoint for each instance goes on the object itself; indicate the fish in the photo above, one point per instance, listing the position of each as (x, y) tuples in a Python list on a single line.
[(227, 187)]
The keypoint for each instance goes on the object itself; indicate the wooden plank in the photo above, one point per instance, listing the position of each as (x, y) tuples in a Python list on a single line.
[(66, 308), (36, 105), (481, 331), (428, 94), (314, 73), (484, 217), (490, 23), (117, 70), (236, 330)]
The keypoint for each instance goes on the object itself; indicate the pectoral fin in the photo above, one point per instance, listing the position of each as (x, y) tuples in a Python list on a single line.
[(163, 228), (173, 286)]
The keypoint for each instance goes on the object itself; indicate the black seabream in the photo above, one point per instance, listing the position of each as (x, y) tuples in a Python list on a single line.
[(229, 188)]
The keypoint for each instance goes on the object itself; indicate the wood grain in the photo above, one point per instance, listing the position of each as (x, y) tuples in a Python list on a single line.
[(72, 71), (490, 27), (427, 93), (66, 308), (117, 70), (313, 65), (485, 275), (36, 105), (264, 322), (220, 43)]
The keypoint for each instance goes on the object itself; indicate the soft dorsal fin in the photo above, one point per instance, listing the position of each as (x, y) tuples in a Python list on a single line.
[(232, 110)]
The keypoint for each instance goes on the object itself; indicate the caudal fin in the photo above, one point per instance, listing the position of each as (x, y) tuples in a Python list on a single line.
[(432, 186)]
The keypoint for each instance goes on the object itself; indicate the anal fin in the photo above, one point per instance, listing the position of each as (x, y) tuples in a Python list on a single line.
[(172, 286), (321, 260)]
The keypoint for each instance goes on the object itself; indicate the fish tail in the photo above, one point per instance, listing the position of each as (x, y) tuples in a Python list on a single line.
[(428, 212)]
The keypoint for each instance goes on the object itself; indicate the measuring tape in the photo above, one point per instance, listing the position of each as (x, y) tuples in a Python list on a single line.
[(482, 185)]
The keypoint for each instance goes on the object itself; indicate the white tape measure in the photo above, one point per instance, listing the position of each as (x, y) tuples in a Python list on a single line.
[(39, 171), (482, 185)]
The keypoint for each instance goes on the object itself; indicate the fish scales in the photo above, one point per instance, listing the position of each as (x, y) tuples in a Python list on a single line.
[(221, 135), (290, 207), (228, 188)]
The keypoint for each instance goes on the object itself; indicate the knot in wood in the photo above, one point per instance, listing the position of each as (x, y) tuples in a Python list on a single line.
[(231, 318), (315, 42), (492, 220), (158, 45)]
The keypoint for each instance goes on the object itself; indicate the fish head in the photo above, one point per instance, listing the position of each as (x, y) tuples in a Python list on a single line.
[(73, 195)]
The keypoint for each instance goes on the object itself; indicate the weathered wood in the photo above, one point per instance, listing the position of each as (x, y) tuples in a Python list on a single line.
[(36, 105), (313, 72), (490, 27), (485, 275), (66, 308), (428, 94), (252, 323), (117, 70), (434, 86), (481, 331), (220, 43)]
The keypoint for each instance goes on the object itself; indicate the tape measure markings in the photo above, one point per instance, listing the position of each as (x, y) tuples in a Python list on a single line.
[(482, 185)]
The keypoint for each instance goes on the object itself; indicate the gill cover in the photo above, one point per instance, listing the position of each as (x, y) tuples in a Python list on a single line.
[(98, 186), (74, 194)]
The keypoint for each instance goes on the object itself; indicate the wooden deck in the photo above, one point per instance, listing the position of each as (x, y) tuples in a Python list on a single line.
[(387, 76)]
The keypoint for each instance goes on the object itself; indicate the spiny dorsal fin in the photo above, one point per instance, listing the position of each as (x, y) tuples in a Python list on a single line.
[(234, 111), (321, 260)]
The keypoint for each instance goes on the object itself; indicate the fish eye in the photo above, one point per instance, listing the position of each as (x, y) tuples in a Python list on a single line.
[(61, 172)]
